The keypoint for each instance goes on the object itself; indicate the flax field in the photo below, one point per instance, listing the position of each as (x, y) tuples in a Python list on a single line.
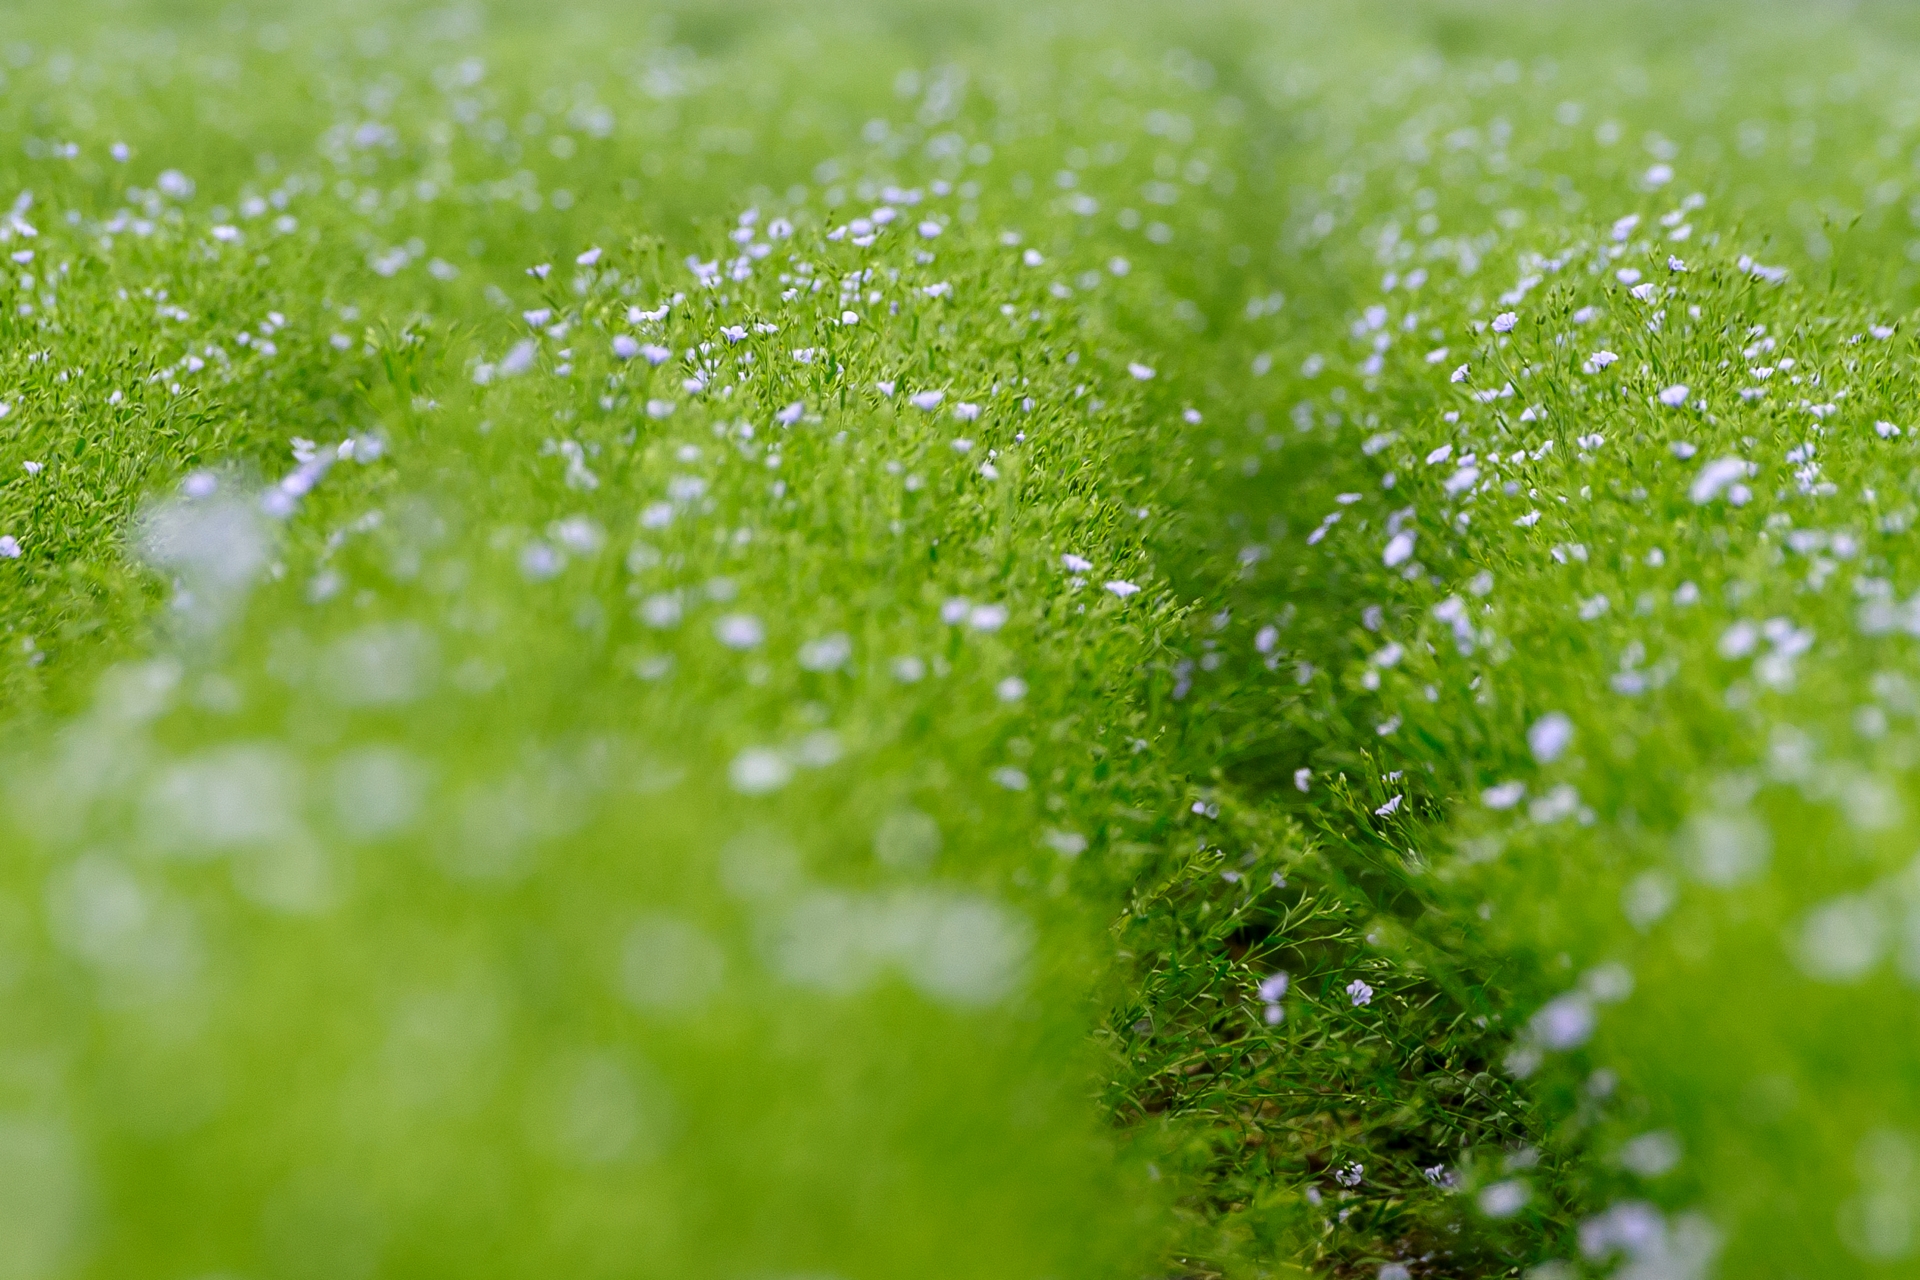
[(1250, 640)]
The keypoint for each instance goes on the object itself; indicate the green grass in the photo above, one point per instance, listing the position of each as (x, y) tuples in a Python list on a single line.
[(580, 700)]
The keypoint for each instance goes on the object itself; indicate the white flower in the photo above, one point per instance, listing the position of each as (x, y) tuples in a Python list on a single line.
[(9, 547), (1075, 564), (739, 631), (1722, 474), (1504, 1199), (1675, 396), (758, 770), (519, 359), (987, 617), (926, 401), (1886, 430), (1550, 736), (849, 317), (1601, 359), (829, 653), (1012, 689), (1651, 1154), (1565, 1022), (791, 414), (1143, 372), (1504, 796), (1504, 322), (1644, 292), (1122, 588), (1399, 549), (588, 258)]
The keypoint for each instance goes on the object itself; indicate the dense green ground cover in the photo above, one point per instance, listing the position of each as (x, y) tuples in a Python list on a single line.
[(958, 640)]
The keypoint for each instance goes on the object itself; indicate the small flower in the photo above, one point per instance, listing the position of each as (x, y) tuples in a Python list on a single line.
[(1399, 549), (1504, 796), (625, 347), (1360, 992), (829, 653), (1142, 372), (1460, 374), (1122, 588), (739, 631), (926, 401), (758, 770), (9, 547), (1550, 736), (1675, 396), (1722, 474), (588, 258), (1504, 1199), (1504, 322), (1075, 564)]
